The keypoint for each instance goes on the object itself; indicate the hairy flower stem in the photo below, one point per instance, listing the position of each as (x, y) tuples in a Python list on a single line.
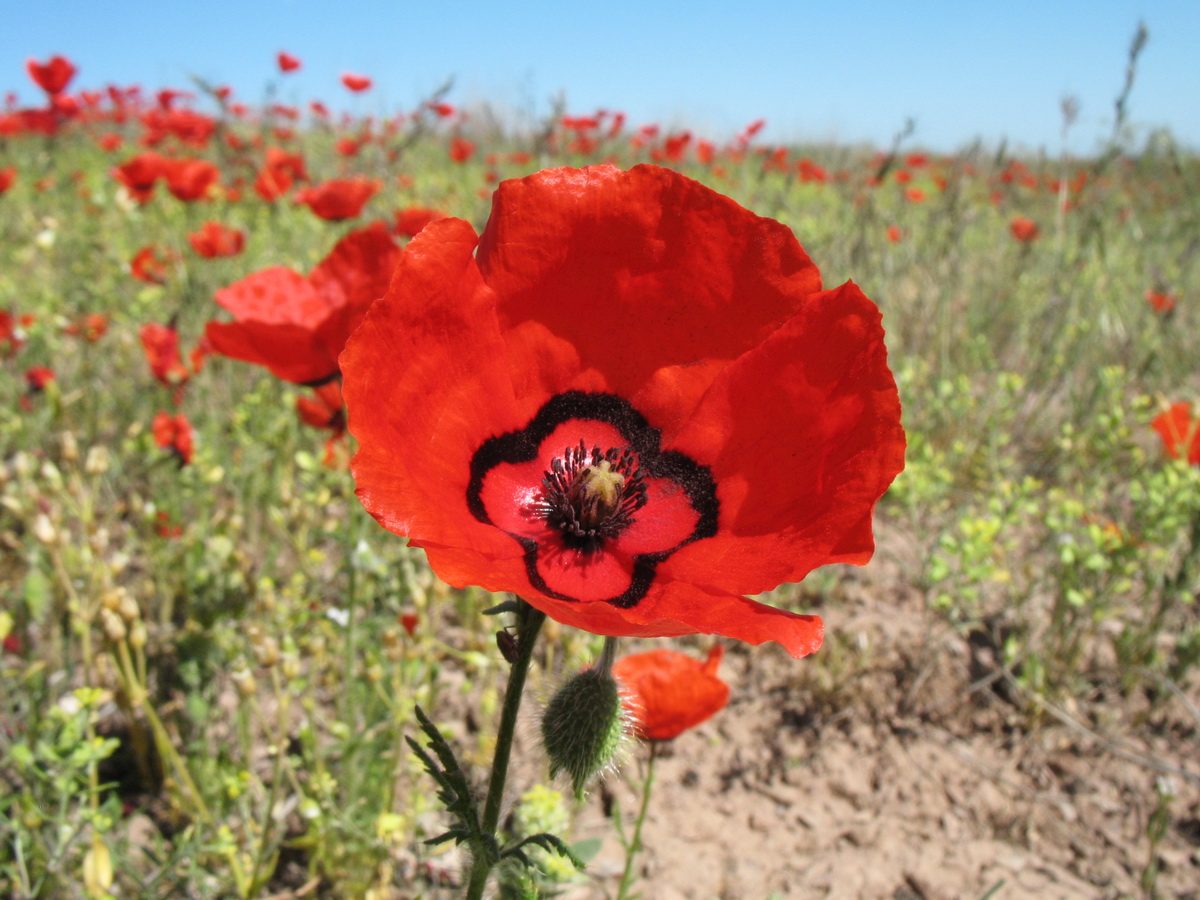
[(529, 624), (634, 847)]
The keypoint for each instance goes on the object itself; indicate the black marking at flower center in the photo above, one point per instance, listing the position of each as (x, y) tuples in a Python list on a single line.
[(586, 496), (590, 496)]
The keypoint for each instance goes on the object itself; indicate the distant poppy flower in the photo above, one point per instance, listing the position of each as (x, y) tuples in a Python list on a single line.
[(214, 240), (91, 327), (287, 62), (297, 326), (339, 198), (161, 343), (12, 338), (271, 184), (461, 149), (408, 621), (1160, 301), (37, 377), (139, 174), (411, 220), (629, 402), (1024, 230), (356, 83), (110, 141), (52, 76), (1180, 433), (174, 433), (666, 693), (150, 264), (190, 179), (7, 177), (894, 234)]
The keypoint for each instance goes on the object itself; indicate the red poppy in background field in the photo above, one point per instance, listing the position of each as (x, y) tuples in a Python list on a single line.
[(91, 327), (287, 62), (1023, 229), (1180, 433), (37, 377), (271, 184), (190, 179), (340, 198), (12, 339), (7, 177), (52, 76), (629, 402), (356, 83), (214, 240), (139, 174), (174, 433), (461, 149), (297, 326), (667, 693), (150, 264), (411, 220), (161, 343), (1160, 301)]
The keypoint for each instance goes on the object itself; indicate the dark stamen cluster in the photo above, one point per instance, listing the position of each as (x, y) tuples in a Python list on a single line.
[(592, 495)]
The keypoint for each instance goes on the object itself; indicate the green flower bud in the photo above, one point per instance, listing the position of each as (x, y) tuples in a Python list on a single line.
[(583, 726)]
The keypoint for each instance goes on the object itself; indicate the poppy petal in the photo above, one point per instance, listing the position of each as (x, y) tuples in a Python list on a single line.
[(427, 381), (639, 270), (802, 435)]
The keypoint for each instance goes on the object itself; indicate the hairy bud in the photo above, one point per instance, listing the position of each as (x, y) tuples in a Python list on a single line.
[(583, 726)]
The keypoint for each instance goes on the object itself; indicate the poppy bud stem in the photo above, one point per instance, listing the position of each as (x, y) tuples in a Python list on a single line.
[(529, 624), (634, 847)]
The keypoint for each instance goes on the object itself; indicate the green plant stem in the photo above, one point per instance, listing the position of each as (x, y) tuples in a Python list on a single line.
[(635, 843), (529, 624)]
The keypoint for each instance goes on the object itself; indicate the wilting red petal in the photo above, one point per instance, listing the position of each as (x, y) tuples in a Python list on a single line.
[(667, 692)]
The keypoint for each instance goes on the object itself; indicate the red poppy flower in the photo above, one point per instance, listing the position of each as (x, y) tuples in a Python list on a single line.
[(287, 62), (190, 179), (894, 234), (410, 221), (174, 433), (1023, 229), (91, 327), (1179, 432), (37, 377), (150, 264), (1160, 301), (339, 198), (7, 177), (629, 402), (461, 149), (214, 239), (271, 184), (12, 338), (139, 173), (52, 76), (356, 83), (297, 326), (161, 343), (667, 693)]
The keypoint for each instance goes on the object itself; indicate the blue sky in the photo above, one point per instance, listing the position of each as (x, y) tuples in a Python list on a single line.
[(814, 71)]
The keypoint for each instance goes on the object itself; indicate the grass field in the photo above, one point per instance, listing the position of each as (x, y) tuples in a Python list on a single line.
[(212, 654)]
